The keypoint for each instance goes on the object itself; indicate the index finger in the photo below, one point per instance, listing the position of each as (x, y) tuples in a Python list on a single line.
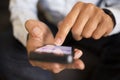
[(67, 24)]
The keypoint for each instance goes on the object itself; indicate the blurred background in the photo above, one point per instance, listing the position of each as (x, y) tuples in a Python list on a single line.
[(4, 16), (5, 25)]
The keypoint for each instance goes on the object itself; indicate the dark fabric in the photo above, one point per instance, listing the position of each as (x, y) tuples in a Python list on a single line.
[(108, 51), (14, 61), (109, 69)]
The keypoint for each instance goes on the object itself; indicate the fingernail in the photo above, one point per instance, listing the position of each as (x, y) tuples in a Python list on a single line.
[(78, 55), (58, 41)]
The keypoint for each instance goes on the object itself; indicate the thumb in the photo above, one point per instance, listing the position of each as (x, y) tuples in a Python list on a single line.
[(35, 32), (35, 28)]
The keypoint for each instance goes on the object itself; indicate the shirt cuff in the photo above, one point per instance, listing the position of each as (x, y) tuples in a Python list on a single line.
[(116, 14), (19, 32)]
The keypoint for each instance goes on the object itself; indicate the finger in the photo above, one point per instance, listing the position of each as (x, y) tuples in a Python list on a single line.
[(105, 26), (91, 26), (77, 64), (110, 25), (30, 24), (78, 53), (108, 32), (53, 67), (35, 27), (57, 68), (34, 43), (32, 28), (44, 65), (59, 23), (80, 23), (100, 31), (67, 24)]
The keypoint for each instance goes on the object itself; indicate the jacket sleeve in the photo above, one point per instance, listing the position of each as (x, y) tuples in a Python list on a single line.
[(114, 7), (22, 10)]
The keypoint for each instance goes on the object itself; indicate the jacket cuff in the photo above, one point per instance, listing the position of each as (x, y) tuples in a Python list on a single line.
[(115, 14)]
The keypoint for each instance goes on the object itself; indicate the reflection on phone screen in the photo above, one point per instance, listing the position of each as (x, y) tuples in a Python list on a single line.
[(55, 49)]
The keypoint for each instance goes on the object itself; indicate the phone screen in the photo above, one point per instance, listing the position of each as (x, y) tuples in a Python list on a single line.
[(58, 50), (52, 53)]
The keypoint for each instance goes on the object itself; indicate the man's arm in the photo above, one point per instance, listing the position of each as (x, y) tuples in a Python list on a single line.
[(22, 10)]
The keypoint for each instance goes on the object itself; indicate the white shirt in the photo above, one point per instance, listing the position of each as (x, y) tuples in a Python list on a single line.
[(22, 10)]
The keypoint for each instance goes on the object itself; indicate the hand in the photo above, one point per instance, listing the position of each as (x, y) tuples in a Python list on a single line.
[(84, 20), (39, 35)]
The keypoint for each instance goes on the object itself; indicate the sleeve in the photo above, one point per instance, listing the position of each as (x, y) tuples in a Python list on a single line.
[(115, 9), (22, 10)]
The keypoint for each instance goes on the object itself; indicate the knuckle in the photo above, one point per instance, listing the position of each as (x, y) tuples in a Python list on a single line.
[(78, 4), (90, 6), (107, 18), (95, 36), (86, 35), (76, 34), (99, 11), (99, 14)]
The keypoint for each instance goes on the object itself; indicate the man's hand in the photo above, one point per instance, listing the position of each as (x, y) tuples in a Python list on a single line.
[(84, 20), (39, 35)]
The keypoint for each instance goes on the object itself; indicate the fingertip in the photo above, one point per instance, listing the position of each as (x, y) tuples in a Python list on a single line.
[(79, 65), (78, 54), (58, 41), (57, 68)]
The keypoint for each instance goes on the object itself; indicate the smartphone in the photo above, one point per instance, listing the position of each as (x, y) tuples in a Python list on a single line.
[(52, 53)]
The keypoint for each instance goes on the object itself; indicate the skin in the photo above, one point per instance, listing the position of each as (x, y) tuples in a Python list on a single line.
[(85, 20), (39, 35)]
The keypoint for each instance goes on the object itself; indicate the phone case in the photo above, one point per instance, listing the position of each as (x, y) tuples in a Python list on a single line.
[(51, 53)]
